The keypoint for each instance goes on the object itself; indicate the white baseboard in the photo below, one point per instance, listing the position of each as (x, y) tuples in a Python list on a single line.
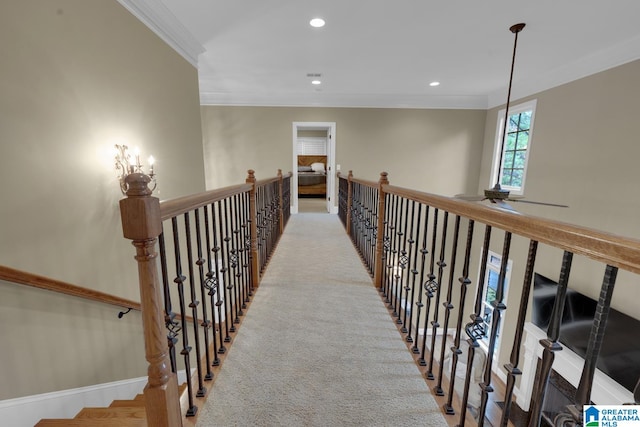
[(27, 411)]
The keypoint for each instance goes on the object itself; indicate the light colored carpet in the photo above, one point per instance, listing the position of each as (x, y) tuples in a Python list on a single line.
[(312, 205), (317, 346)]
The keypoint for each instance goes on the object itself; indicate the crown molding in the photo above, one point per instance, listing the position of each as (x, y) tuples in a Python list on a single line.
[(597, 62), (343, 100), (159, 19)]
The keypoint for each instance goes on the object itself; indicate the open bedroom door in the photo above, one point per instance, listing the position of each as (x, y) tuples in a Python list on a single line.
[(314, 144)]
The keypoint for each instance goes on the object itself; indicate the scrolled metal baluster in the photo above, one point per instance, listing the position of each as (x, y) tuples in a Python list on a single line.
[(186, 348), (410, 241), (236, 258), (498, 308), (434, 323), (430, 286), (423, 252), (512, 367), (193, 304), (402, 260), (414, 275), (475, 329), (448, 306), (206, 324), (211, 284), (173, 327), (573, 416), (217, 279), (223, 276), (455, 350), (229, 276), (551, 344), (391, 238)]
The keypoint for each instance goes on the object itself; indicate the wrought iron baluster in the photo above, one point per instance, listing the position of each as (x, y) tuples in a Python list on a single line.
[(219, 281), (386, 245), (173, 326), (193, 304), (434, 323), (423, 259), (448, 306), (224, 278), (464, 284), (391, 239), (206, 324), (395, 250), (430, 287), (245, 245), (414, 275), (401, 262), (512, 367), (211, 284), (186, 349), (551, 344), (233, 318), (410, 241), (235, 257), (475, 328), (573, 414), (388, 248), (496, 318)]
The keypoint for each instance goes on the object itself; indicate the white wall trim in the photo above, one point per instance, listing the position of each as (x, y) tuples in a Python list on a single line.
[(155, 15), (27, 411), (568, 364)]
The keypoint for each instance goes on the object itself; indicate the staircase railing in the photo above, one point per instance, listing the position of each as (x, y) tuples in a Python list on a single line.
[(213, 248), (416, 245)]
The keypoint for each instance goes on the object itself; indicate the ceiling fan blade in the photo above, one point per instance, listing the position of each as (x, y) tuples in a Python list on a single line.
[(538, 203), (503, 204), (470, 197)]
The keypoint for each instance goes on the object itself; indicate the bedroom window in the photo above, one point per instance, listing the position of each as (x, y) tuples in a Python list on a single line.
[(517, 145), (312, 146)]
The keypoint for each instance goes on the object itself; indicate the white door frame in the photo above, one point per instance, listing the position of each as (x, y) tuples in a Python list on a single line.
[(330, 127)]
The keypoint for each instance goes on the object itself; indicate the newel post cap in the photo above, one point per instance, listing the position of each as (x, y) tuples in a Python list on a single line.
[(384, 178), (251, 176), (139, 211)]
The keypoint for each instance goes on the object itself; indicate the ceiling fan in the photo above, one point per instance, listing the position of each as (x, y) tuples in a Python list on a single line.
[(497, 194)]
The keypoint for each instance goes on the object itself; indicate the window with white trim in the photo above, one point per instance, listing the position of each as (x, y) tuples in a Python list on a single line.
[(489, 291), (517, 145)]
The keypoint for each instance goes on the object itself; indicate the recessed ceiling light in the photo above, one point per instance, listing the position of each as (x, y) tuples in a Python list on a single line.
[(317, 22), (316, 82), (434, 84)]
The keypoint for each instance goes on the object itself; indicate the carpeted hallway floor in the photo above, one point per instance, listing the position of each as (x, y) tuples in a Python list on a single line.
[(318, 347)]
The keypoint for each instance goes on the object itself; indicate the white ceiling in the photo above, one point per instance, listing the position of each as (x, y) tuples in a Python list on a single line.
[(382, 53)]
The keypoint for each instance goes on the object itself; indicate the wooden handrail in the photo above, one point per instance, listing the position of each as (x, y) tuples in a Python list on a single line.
[(174, 207), (46, 283), (266, 181), (371, 184), (618, 251)]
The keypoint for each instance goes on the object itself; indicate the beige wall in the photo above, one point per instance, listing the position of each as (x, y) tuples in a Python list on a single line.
[(431, 150), (76, 77), (585, 152)]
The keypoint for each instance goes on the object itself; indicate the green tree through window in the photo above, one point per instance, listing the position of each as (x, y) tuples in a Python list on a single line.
[(515, 150), (517, 145)]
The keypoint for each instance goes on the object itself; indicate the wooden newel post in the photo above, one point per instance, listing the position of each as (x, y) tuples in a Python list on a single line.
[(379, 268), (140, 213), (349, 201), (280, 207), (253, 214)]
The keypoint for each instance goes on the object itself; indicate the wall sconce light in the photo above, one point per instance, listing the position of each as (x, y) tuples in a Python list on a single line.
[(125, 167)]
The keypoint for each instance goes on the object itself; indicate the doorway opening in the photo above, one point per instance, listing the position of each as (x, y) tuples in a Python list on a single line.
[(313, 181)]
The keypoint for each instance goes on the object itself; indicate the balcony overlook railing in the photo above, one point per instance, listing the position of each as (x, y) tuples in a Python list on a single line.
[(213, 247), (417, 245)]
